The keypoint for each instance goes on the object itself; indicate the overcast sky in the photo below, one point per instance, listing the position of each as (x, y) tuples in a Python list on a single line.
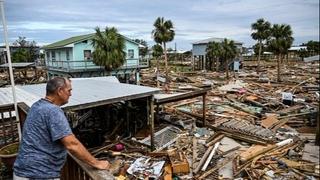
[(47, 21)]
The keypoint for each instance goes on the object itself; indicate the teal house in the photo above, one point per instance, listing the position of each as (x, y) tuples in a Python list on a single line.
[(72, 57)]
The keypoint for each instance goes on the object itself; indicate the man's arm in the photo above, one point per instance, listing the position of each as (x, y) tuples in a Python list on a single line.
[(74, 146)]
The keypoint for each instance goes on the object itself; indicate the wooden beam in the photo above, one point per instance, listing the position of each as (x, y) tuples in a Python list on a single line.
[(151, 118), (204, 109)]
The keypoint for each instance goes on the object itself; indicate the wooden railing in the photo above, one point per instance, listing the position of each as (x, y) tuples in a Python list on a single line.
[(76, 170), (88, 65), (8, 123), (73, 169)]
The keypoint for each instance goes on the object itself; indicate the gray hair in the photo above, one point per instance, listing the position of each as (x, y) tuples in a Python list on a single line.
[(54, 84)]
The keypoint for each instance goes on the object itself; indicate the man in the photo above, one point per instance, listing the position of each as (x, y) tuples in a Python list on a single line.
[(47, 136)]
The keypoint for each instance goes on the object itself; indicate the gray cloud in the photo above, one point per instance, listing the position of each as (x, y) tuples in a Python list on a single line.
[(47, 21)]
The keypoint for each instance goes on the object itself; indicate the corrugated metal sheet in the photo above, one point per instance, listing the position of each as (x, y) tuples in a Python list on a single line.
[(218, 40), (85, 91), (17, 65)]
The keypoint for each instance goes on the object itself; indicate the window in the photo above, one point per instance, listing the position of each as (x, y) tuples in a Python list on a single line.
[(59, 56), (48, 55), (87, 54), (130, 53), (53, 55), (67, 55)]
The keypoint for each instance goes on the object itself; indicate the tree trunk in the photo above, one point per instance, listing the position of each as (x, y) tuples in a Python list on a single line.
[(217, 64), (278, 68), (258, 67), (227, 68), (166, 61), (158, 84)]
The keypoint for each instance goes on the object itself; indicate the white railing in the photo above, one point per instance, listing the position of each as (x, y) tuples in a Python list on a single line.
[(89, 65)]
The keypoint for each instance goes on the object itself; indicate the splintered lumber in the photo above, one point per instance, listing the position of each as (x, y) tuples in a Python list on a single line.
[(257, 150), (218, 166), (216, 139), (203, 159), (210, 156), (178, 162), (269, 121), (194, 151), (168, 172)]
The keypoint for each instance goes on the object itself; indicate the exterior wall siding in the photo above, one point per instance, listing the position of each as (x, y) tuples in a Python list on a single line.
[(199, 49), (78, 54), (78, 63), (135, 60)]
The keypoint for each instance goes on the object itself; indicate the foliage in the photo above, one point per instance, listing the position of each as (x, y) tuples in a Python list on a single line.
[(313, 47), (26, 50), (280, 41), (228, 52), (261, 33), (108, 48), (144, 50), (162, 33), (157, 51), (303, 53), (214, 52), (20, 55)]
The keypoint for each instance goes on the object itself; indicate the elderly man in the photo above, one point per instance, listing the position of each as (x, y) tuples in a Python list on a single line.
[(47, 136)]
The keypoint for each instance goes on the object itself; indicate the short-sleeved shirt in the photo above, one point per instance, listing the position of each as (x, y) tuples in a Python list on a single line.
[(41, 153)]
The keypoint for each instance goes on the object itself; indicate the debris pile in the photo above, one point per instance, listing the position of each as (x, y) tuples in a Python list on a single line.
[(256, 128)]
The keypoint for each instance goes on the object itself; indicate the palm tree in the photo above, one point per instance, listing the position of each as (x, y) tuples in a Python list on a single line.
[(213, 52), (261, 33), (163, 32), (281, 40), (157, 52), (108, 48), (228, 52)]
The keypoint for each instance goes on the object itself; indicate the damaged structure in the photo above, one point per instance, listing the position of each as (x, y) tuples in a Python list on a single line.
[(202, 127)]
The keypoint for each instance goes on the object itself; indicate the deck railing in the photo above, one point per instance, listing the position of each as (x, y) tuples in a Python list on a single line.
[(76, 170), (73, 168), (88, 65), (8, 123)]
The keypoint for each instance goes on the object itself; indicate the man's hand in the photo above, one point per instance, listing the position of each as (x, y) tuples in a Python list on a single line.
[(102, 165)]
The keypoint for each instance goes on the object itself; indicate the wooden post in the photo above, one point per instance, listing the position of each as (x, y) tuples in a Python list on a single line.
[(151, 120), (318, 129), (127, 117), (157, 113), (204, 109)]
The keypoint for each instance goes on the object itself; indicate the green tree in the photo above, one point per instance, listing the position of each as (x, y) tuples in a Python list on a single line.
[(261, 33), (313, 47), (157, 52), (279, 43), (162, 33), (228, 52), (108, 48), (213, 52), (20, 55), (303, 53), (142, 50), (26, 52)]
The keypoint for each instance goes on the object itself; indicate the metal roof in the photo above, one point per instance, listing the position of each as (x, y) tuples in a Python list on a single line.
[(297, 48), (312, 58), (75, 39), (218, 40), (17, 65), (86, 93)]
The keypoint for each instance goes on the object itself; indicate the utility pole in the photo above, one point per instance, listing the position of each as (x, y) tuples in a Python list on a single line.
[(5, 31)]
